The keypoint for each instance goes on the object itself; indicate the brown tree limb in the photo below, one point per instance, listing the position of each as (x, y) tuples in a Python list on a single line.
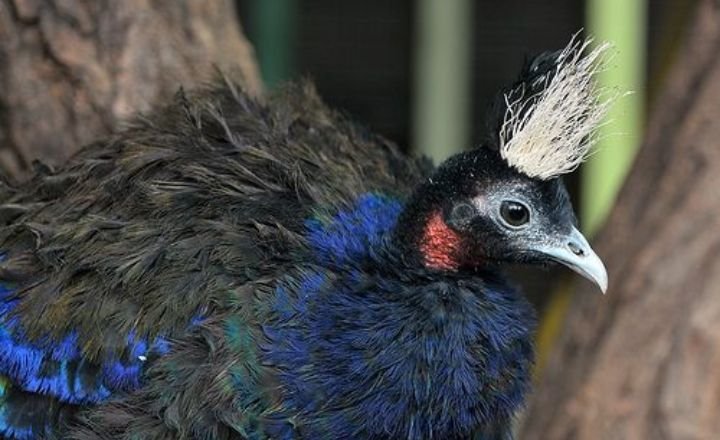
[(643, 362), (70, 70)]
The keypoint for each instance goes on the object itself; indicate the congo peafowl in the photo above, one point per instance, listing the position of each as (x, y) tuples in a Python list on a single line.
[(231, 268)]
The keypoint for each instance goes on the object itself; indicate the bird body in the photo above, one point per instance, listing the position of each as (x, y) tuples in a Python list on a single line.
[(227, 268), (396, 351)]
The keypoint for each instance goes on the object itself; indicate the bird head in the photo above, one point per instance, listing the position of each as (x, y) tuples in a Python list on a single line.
[(505, 202)]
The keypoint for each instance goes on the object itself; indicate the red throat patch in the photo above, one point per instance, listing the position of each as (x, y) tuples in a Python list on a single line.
[(440, 245)]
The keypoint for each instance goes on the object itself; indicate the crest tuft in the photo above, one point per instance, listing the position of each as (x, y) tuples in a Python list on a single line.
[(550, 120)]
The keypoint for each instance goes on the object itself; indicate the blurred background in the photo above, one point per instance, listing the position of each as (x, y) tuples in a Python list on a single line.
[(424, 72)]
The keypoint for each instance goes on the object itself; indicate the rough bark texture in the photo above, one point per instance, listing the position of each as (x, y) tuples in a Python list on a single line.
[(70, 70), (643, 362)]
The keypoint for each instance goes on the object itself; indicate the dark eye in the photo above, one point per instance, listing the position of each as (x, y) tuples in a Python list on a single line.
[(514, 213)]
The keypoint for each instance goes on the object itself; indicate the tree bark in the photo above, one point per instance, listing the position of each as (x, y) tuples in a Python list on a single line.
[(71, 70), (643, 362)]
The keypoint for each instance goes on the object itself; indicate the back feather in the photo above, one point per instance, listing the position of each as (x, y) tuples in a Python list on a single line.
[(121, 257)]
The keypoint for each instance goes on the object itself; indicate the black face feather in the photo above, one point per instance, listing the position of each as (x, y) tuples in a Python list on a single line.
[(471, 192)]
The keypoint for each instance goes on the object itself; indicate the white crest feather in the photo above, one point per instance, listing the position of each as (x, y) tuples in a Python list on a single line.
[(551, 134)]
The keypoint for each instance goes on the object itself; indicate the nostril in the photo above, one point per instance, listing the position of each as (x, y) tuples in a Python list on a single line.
[(576, 249)]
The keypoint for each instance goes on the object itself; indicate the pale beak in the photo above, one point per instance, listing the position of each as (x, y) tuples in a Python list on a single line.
[(575, 252)]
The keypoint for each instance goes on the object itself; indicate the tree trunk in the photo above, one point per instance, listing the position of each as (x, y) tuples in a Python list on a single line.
[(643, 362), (70, 70)]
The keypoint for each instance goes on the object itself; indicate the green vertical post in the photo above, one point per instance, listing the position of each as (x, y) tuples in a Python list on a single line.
[(623, 24), (443, 58), (274, 27)]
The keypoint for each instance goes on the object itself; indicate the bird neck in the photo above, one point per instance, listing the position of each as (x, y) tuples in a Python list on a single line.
[(422, 234), (398, 355), (381, 230), (371, 342)]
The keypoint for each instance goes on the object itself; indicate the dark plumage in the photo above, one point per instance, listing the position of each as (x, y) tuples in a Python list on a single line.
[(229, 269)]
